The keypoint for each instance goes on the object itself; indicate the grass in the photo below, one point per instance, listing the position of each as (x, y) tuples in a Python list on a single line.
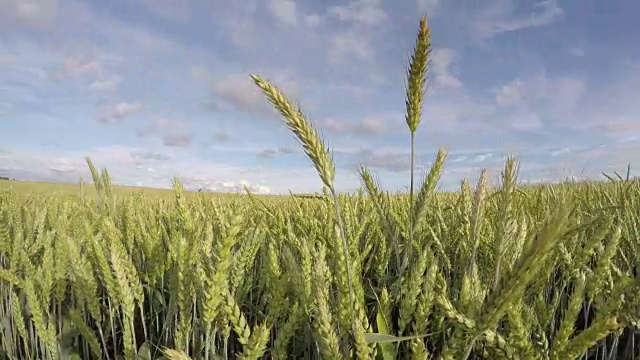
[(547, 272)]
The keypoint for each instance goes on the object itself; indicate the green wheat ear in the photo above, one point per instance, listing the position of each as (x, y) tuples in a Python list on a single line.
[(296, 121), (416, 75)]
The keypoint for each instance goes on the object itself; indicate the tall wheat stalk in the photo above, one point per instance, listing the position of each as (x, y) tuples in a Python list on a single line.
[(416, 78)]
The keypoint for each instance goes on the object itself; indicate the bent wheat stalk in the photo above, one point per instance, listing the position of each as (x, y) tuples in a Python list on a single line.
[(313, 146)]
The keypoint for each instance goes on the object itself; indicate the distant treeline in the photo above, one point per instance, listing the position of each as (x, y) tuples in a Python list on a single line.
[(5, 178)]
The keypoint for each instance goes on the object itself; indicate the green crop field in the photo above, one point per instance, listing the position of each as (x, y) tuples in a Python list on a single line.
[(31, 188), (505, 272)]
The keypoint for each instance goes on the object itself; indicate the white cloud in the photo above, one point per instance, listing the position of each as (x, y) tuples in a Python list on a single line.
[(395, 160), (34, 14), (107, 84), (510, 94), (199, 183), (442, 61), (560, 152), (283, 10), (239, 91), (390, 162), (270, 153), (119, 111), (132, 166), (161, 125), (75, 66), (550, 12), (526, 121), (560, 90), (529, 99), (125, 109), (451, 114), (121, 39), (239, 20), (613, 106), (499, 16), (345, 44), (149, 155), (372, 126), (267, 153), (368, 12), (288, 150), (172, 132)]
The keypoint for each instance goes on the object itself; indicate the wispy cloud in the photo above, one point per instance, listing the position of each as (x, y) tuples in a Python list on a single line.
[(442, 62), (501, 17), (349, 44), (368, 127), (267, 153), (28, 14), (119, 111), (367, 12), (237, 92), (105, 84), (283, 10)]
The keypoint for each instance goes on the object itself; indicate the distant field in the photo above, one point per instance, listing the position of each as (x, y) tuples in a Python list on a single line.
[(38, 187)]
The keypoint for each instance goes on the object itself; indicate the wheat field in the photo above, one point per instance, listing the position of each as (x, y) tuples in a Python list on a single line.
[(501, 272)]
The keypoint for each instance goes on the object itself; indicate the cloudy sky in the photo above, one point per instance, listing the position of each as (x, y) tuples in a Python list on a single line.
[(152, 89)]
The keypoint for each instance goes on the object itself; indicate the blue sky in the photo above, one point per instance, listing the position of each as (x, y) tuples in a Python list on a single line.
[(152, 89)]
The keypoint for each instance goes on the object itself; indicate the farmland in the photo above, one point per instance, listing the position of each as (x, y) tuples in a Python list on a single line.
[(30, 188), (539, 273), (502, 272)]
